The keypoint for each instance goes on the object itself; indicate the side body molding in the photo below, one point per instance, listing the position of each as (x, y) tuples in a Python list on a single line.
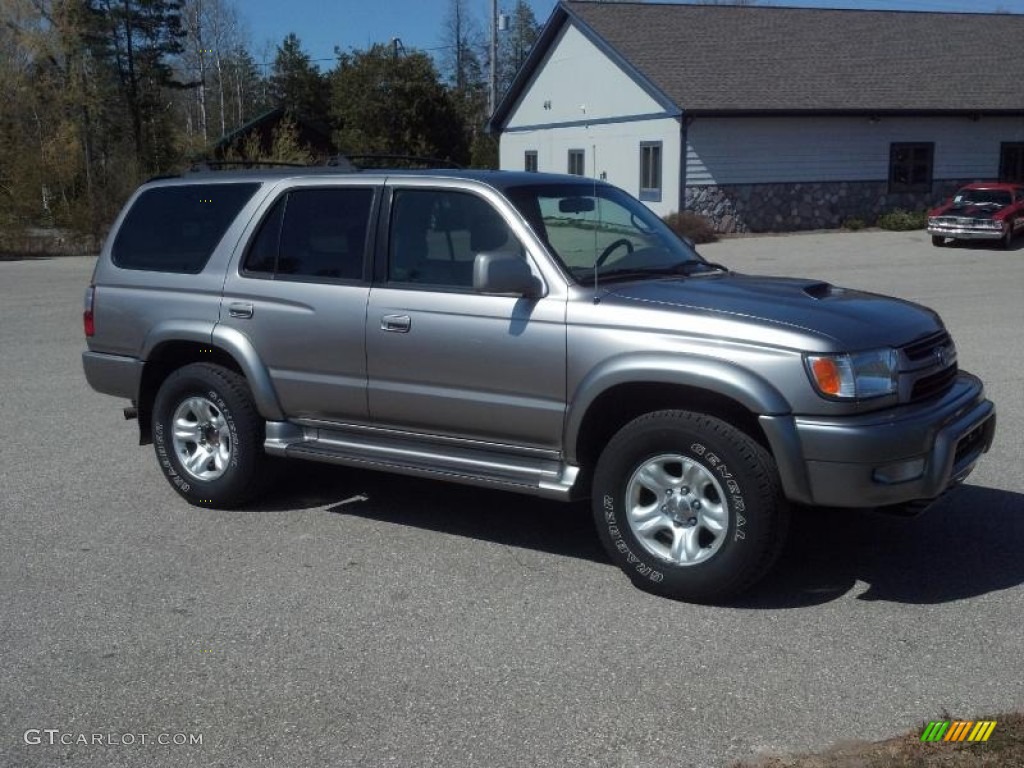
[(718, 376)]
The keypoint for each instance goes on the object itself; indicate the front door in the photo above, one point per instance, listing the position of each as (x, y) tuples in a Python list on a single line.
[(445, 360)]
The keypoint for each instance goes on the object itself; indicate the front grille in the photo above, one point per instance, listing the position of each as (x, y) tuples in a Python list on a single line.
[(927, 347), (934, 384)]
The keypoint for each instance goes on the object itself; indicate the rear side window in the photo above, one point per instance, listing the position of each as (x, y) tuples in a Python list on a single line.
[(313, 234), (176, 228)]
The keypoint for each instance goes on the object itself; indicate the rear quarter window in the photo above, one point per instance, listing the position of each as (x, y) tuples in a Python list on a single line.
[(176, 228)]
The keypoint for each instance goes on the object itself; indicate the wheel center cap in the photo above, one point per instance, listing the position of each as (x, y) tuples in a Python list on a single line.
[(678, 508), (211, 435)]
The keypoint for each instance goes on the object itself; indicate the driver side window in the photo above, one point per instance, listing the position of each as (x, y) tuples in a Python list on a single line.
[(435, 235)]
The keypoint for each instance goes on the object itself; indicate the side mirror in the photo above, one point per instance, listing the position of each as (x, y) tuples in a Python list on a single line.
[(504, 273)]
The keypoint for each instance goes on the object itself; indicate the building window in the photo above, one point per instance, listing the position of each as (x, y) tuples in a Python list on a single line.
[(910, 167), (1011, 161), (650, 171), (530, 160), (576, 162)]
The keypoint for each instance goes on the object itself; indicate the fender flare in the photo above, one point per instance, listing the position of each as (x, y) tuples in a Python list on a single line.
[(232, 342), (718, 376)]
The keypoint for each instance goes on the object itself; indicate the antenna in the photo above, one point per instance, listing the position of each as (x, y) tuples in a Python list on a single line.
[(597, 223)]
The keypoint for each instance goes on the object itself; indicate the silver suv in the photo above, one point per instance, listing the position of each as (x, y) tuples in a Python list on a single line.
[(535, 333)]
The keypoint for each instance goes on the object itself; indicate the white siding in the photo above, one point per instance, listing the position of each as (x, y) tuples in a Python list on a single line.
[(616, 147), (578, 82), (790, 149)]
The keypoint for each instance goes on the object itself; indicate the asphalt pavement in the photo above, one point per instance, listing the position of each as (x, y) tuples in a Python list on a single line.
[(362, 619)]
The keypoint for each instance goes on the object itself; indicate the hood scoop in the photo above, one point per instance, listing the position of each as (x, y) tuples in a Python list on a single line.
[(821, 290)]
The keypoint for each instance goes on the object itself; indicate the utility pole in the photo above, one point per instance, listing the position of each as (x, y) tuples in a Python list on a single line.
[(492, 100)]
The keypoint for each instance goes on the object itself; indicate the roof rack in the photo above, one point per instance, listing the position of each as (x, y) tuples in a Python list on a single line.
[(425, 162), (345, 163), (212, 165)]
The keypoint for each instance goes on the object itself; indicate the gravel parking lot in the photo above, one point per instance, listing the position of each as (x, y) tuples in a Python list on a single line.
[(360, 619)]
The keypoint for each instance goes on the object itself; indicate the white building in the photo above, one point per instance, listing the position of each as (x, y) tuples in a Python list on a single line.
[(768, 118)]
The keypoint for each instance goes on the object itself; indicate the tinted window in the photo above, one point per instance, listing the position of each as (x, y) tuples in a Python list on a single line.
[(176, 228), (262, 256), (313, 233), (436, 235)]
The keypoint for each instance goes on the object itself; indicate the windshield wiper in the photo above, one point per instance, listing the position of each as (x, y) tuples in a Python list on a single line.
[(682, 268)]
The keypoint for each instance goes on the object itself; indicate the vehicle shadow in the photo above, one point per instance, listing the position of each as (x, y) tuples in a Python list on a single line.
[(968, 544), (986, 245), (506, 518)]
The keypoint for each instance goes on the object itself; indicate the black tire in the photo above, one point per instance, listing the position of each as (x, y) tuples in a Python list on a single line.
[(724, 461), (938, 241), (244, 471), (1007, 240)]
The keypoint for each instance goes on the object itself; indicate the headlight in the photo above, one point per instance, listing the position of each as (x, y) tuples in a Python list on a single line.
[(933, 220), (988, 224), (856, 376)]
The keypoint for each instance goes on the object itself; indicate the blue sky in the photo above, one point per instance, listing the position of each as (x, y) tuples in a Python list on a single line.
[(323, 24)]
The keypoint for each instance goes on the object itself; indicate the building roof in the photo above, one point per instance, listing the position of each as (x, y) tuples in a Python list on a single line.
[(721, 59)]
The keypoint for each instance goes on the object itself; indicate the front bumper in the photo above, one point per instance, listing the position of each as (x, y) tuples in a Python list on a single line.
[(958, 232), (911, 453)]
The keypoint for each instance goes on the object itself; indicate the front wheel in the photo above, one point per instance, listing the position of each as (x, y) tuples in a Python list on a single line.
[(689, 506), (1007, 240), (938, 241), (208, 436)]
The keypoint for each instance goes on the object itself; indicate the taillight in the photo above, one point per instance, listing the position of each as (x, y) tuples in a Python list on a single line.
[(87, 319)]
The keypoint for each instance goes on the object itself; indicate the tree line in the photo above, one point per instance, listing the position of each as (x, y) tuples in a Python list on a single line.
[(103, 94)]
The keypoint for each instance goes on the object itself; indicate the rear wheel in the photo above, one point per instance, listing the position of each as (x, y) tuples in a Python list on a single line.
[(209, 436), (689, 506)]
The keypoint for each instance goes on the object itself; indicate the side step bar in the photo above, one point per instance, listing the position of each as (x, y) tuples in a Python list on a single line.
[(455, 461)]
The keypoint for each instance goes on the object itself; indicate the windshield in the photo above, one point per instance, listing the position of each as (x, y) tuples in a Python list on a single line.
[(982, 197), (588, 225)]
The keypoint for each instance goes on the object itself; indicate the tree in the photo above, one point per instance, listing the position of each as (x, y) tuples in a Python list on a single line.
[(136, 39), (244, 86), (389, 103), (296, 84), (515, 44), (464, 70), (463, 42)]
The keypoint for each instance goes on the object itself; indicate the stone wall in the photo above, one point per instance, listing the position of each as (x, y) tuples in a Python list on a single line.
[(810, 205)]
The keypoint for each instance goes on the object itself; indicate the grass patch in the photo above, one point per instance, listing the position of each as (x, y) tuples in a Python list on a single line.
[(1004, 749)]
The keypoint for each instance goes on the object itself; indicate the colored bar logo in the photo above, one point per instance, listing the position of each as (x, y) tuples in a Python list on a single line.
[(958, 730)]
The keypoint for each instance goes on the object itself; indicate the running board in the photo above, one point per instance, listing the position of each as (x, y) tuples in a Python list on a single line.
[(467, 463)]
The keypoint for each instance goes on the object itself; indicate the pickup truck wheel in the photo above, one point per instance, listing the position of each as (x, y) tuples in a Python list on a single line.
[(689, 506), (1007, 240), (209, 436), (938, 241)]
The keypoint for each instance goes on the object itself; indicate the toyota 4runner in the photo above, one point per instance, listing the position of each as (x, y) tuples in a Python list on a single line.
[(536, 333)]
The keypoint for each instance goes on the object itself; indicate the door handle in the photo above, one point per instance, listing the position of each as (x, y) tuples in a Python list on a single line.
[(240, 309), (396, 323)]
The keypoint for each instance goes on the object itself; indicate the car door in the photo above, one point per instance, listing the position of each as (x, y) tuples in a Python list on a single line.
[(443, 359), (299, 294)]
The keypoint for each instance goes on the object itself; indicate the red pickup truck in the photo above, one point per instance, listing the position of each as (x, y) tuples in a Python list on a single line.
[(980, 211)]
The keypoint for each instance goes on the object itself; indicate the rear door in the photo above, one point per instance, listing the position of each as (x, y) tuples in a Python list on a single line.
[(299, 293)]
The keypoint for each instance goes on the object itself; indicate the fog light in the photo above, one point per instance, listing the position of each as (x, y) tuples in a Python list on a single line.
[(900, 472)]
